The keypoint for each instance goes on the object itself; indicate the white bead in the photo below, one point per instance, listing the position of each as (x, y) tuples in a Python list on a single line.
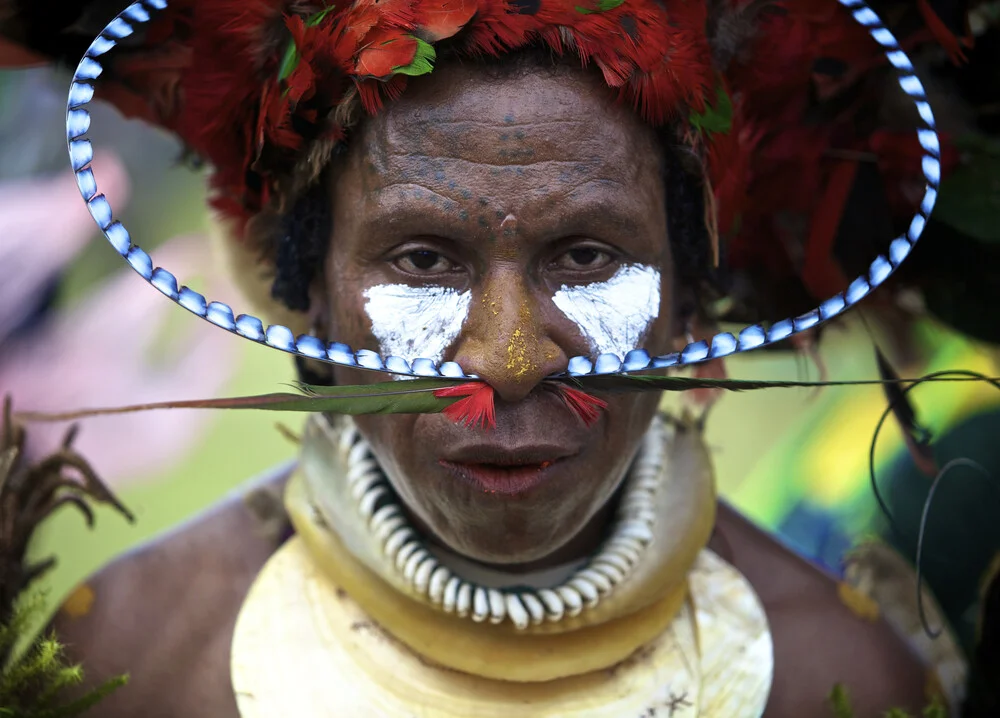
[(437, 583), (534, 606), (451, 594), (358, 471), (383, 530), (359, 488), (396, 540), (572, 599), (412, 563), (614, 559), (518, 615), (554, 606), (600, 580), (498, 607), (422, 576), (404, 554), (637, 530), (615, 573), (358, 452), (464, 602), (587, 590), (368, 501), (480, 605)]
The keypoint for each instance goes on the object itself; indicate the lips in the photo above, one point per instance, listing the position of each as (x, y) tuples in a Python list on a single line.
[(505, 471), (503, 480)]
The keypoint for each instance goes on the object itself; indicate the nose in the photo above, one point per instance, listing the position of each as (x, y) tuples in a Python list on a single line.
[(505, 339)]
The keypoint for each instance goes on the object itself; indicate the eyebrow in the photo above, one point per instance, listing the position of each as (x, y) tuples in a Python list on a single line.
[(412, 208)]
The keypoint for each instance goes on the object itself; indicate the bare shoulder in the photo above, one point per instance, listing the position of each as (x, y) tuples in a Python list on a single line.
[(818, 640), (164, 613)]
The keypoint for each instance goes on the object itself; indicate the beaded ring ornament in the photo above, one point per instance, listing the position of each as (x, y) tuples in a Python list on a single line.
[(281, 337)]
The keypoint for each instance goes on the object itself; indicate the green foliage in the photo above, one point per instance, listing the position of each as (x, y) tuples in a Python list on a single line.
[(970, 197), (423, 60), (32, 684), (840, 705)]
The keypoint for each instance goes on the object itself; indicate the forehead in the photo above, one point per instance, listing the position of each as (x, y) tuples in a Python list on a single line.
[(517, 137)]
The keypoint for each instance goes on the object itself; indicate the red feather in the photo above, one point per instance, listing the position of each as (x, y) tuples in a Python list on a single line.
[(587, 407), (476, 409), (443, 18)]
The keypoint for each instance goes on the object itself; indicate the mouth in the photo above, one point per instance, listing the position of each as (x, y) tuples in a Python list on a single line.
[(505, 473)]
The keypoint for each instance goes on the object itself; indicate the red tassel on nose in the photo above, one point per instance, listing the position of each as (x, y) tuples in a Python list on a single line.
[(476, 409), (585, 406)]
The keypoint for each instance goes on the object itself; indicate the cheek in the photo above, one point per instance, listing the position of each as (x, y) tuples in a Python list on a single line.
[(415, 322), (615, 316)]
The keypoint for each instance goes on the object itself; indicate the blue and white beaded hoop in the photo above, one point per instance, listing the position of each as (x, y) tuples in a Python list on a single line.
[(280, 337)]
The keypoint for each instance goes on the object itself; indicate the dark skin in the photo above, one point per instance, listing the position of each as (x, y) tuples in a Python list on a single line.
[(165, 613), (551, 185)]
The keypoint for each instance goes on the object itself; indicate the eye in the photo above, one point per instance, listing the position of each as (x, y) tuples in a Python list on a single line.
[(424, 261), (583, 259)]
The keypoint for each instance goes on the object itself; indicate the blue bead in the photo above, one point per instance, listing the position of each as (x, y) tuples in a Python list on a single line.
[(722, 344), (424, 367), (806, 321), (452, 369), (930, 197), (665, 360), (832, 306), (929, 141), (119, 237), (607, 364), (932, 170), (857, 291), (86, 183), (911, 86), (140, 262), (98, 47), (118, 29), (369, 359), (752, 337), (900, 61), (397, 365), (221, 315), (579, 366), (884, 38), (899, 250), (879, 271), (694, 352), (250, 327), (636, 360), (157, 4), (926, 113), (280, 337), (81, 152), (80, 94), (88, 69), (310, 346), (77, 123), (136, 13), (341, 354), (780, 330), (100, 210), (867, 17), (192, 301), (165, 282)]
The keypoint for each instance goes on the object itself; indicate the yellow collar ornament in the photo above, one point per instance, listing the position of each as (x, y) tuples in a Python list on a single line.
[(337, 625)]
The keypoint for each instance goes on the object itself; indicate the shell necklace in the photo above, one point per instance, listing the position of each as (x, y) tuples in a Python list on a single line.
[(425, 573)]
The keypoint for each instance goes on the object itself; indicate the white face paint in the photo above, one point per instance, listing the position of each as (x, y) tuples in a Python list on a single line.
[(416, 322), (614, 315)]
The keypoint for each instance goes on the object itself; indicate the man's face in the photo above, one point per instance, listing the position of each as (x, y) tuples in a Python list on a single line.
[(506, 224)]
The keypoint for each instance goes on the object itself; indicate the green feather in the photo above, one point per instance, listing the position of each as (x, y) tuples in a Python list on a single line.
[(717, 119), (422, 63), (290, 60), (602, 6)]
